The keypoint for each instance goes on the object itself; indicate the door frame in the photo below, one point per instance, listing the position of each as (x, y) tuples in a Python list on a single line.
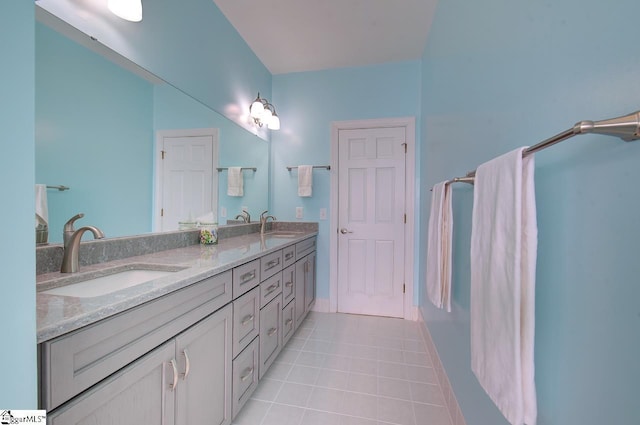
[(409, 123), (158, 164)]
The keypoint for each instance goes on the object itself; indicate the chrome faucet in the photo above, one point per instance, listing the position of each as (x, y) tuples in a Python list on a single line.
[(263, 221), (72, 239), (244, 216)]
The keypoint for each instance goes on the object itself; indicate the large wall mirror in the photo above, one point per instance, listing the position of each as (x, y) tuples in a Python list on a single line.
[(96, 133)]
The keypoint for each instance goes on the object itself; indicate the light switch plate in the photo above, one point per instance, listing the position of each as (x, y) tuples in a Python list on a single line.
[(299, 212), (323, 213)]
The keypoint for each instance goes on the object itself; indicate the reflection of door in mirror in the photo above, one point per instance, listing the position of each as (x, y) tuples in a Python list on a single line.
[(186, 187)]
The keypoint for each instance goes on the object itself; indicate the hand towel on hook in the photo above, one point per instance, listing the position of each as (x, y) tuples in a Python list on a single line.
[(503, 266), (439, 247)]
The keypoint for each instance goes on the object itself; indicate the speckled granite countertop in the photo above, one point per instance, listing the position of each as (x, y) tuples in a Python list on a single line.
[(57, 315)]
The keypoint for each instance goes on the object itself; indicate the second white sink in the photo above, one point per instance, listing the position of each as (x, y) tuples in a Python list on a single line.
[(107, 284)]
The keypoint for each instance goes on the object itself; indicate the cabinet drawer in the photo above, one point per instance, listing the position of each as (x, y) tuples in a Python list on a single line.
[(288, 285), (270, 288), (288, 255), (270, 264), (246, 277), (288, 322), (305, 247), (245, 375), (246, 319), (75, 361), (270, 333)]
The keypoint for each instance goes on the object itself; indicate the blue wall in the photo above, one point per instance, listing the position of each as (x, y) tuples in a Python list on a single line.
[(17, 256), (497, 75), (308, 102), (94, 133)]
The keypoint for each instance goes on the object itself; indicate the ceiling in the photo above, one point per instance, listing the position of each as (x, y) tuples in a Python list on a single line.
[(304, 35)]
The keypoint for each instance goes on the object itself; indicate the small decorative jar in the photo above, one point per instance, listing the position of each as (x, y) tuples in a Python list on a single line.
[(208, 233)]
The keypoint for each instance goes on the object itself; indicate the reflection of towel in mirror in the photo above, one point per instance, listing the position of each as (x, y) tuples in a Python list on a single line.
[(42, 212), (503, 279), (235, 183), (305, 180)]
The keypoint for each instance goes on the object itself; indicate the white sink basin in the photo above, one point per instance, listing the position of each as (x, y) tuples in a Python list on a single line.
[(104, 285), (284, 235)]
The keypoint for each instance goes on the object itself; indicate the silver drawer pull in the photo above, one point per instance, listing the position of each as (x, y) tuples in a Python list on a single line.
[(187, 366), (272, 288), (248, 276), (288, 284), (273, 263), (247, 319), (174, 384), (272, 331), (288, 255), (247, 375), (288, 322)]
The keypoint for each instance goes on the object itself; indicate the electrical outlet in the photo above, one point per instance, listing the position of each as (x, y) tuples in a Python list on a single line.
[(299, 212), (223, 212), (323, 213)]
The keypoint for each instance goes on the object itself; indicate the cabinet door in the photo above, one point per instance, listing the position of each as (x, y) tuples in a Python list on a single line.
[(270, 333), (310, 281), (141, 393), (203, 354), (288, 288), (300, 304)]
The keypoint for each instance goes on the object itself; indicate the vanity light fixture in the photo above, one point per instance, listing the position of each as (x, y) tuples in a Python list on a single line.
[(130, 10), (263, 113)]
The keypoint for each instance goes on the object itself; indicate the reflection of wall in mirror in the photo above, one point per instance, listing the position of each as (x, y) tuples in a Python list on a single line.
[(95, 134)]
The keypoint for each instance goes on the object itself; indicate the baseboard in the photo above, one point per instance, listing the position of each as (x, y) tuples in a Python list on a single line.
[(449, 396), (321, 305)]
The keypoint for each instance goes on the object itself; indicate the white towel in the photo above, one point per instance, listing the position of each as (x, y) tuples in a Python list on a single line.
[(503, 268), (42, 211), (305, 180), (439, 247), (235, 182)]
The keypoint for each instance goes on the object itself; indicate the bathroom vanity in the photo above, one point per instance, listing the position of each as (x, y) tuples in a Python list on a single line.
[(187, 347)]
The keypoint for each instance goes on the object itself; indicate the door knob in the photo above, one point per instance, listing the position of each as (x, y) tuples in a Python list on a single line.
[(344, 231)]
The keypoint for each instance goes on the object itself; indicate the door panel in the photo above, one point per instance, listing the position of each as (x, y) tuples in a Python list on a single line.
[(371, 219), (187, 178)]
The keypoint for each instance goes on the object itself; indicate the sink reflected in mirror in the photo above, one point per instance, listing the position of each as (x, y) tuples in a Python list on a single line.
[(108, 281)]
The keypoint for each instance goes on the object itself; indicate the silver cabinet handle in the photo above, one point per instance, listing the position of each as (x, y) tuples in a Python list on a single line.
[(247, 319), (272, 263), (272, 331), (187, 365), (288, 322), (174, 384), (288, 255), (272, 288), (248, 276), (248, 373), (345, 231), (288, 284)]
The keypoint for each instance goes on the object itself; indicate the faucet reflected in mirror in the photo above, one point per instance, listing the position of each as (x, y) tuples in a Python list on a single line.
[(72, 239), (244, 216), (263, 220)]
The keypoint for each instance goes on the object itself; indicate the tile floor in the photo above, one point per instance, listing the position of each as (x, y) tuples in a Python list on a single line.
[(341, 369)]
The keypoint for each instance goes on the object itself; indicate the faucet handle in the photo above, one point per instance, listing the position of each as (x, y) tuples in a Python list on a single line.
[(68, 226), (263, 213)]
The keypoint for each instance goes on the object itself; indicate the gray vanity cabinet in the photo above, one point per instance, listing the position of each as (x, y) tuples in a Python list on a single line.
[(270, 333), (187, 380), (305, 281)]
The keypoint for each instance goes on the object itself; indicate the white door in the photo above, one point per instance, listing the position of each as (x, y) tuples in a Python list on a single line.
[(371, 217), (187, 185)]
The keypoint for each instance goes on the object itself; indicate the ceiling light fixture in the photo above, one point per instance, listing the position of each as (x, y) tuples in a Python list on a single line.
[(263, 113), (130, 10)]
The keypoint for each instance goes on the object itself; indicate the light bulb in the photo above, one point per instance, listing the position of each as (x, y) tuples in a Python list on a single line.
[(130, 10), (257, 109), (274, 123)]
